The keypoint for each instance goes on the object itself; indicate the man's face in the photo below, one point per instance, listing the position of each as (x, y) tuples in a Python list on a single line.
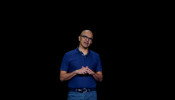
[(86, 39)]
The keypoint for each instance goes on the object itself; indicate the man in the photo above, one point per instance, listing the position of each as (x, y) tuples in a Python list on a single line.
[(82, 68)]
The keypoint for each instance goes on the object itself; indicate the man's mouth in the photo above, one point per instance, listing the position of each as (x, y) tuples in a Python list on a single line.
[(86, 43)]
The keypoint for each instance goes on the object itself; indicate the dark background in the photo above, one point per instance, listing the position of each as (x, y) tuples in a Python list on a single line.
[(125, 46), (126, 39)]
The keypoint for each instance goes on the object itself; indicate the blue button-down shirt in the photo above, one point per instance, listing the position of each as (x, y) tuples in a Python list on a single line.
[(74, 60)]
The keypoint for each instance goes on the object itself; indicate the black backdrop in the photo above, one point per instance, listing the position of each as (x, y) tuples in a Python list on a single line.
[(132, 38), (126, 46)]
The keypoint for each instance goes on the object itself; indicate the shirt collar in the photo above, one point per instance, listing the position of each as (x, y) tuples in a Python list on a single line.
[(78, 51)]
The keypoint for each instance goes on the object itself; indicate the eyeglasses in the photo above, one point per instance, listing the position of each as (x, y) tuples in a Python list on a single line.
[(85, 37)]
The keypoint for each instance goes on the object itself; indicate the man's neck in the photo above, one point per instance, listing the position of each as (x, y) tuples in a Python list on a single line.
[(83, 50)]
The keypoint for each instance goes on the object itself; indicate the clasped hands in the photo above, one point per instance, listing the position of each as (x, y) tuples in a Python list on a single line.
[(85, 70)]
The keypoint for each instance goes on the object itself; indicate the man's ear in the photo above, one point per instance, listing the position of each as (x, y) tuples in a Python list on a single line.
[(79, 38)]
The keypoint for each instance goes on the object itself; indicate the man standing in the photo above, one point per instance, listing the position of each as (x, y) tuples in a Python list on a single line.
[(82, 68)]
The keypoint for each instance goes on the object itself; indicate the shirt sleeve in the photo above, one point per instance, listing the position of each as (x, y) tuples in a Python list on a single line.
[(99, 65), (65, 63)]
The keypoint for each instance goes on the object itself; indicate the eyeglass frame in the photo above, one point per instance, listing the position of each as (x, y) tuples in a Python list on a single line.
[(86, 37)]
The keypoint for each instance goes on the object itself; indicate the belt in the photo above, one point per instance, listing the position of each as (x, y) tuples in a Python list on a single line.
[(82, 90)]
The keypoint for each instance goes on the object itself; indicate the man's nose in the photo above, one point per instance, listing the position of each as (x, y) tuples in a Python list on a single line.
[(87, 39)]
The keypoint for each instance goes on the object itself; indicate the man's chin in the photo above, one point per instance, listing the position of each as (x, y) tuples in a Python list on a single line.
[(86, 47)]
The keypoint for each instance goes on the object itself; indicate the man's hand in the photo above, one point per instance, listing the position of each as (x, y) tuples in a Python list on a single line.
[(89, 71), (83, 70), (86, 70)]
